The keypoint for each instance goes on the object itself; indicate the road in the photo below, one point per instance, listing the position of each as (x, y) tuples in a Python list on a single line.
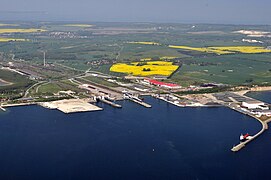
[(27, 91)]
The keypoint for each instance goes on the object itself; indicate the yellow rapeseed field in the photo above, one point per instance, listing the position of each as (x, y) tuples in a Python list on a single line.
[(145, 43), (226, 49), (2, 31), (245, 49), (154, 68), (11, 39), (79, 25)]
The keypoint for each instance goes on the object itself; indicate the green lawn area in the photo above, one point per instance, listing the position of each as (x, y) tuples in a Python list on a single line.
[(55, 87), (49, 88)]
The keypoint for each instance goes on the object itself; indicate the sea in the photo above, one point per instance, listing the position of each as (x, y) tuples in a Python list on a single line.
[(162, 143)]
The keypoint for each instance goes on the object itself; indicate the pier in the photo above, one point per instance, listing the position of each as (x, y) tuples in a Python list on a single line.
[(168, 101), (234, 101), (110, 103), (141, 103), (242, 144)]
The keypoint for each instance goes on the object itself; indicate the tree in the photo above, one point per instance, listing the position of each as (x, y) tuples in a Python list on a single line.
[(146, 69)]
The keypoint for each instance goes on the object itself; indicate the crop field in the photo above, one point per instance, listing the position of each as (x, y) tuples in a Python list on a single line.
[(31, 30), (231, 69), (135, 52), (11, 39), (209, 53), (227, 49), (145, 69)]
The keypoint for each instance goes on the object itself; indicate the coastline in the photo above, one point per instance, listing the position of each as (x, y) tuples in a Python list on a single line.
[(77, 105)]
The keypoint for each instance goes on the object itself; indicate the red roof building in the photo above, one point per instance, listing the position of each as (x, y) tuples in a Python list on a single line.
[(162, 84)]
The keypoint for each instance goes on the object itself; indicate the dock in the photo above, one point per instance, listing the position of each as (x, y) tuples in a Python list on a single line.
[(233, 101), (141, 103), (170, 102), (242, 144), (110, 103), (71, 106)]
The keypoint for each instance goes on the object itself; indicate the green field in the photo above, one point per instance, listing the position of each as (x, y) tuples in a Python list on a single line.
[(228, 69), (96, 48), (51, 88)]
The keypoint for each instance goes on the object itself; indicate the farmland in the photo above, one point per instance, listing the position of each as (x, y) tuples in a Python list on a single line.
[(145, 68), (11, 39), (206, 53), (31, 30), (227, 49)]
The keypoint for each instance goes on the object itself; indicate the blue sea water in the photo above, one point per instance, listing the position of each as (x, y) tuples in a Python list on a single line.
[(164, 142), (263, 96)]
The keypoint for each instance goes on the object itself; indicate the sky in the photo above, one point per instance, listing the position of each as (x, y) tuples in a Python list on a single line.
[(175, 11)]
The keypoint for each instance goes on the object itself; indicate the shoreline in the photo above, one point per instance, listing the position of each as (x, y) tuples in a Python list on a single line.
[(79, 105)]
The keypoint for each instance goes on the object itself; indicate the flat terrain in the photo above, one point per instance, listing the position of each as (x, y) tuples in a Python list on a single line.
[(228, 54)]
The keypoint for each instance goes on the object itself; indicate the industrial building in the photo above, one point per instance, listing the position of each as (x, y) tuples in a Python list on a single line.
[(254, 105), (162, 84)]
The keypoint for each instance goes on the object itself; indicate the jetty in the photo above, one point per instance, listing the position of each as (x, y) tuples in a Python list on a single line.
[(248, 106), (140, 103), (175, 103), (110, 103), (241, 145)]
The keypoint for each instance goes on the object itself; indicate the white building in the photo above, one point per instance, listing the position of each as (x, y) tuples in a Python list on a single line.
[(253, 104)]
